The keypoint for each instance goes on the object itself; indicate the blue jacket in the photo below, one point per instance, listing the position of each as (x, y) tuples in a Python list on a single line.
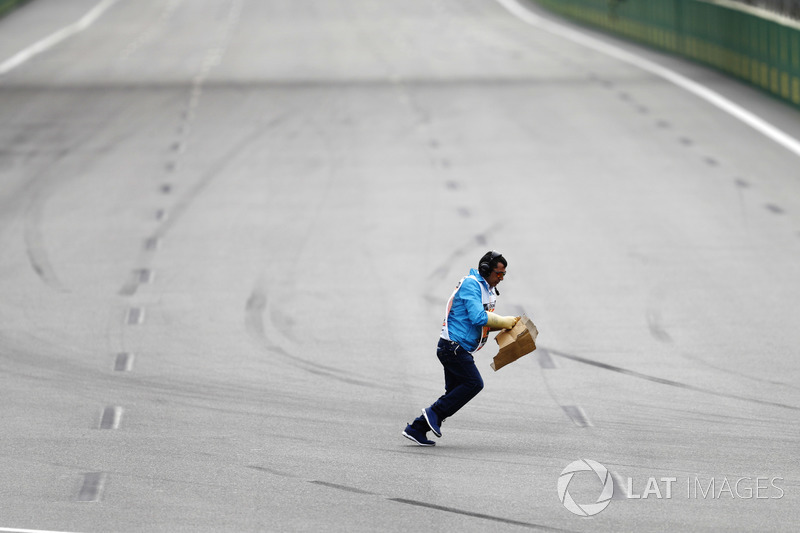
[(465, 322)]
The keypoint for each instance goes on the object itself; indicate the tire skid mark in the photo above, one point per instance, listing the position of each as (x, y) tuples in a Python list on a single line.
[(480, 239), (32, 233), (34, 213), (728, 371), (413, 449), (272, 471), (441, 271), (545, 361), (414, 503), (35, 366), (343, 487), (254, 322), (669, 382), (574, 412), (493, 518), (168, 218), (38, 187), (37, 253), (184, 203)]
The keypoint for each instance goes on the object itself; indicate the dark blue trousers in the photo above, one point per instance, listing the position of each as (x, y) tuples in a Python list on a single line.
[(462, 381)]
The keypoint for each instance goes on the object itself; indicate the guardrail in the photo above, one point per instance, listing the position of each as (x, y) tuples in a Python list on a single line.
[(757, 47), (790, 8)]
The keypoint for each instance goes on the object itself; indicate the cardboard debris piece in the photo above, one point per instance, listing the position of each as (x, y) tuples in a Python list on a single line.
[(515, 342)]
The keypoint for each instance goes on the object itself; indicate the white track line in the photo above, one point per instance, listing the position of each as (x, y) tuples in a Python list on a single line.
[(714, 98), (51, 40)]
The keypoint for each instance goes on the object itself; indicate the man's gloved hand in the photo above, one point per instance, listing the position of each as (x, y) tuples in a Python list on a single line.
[(502, 322)]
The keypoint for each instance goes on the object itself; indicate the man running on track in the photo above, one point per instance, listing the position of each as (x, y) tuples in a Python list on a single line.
[(468, 320)]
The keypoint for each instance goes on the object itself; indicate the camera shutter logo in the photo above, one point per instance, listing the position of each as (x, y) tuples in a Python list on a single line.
[(586, 509)]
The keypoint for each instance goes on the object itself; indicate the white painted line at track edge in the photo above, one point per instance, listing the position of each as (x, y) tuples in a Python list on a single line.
[(714, 98), (53, 39)]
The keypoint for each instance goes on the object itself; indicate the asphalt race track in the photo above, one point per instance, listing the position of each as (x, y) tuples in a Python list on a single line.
[(229, 229)]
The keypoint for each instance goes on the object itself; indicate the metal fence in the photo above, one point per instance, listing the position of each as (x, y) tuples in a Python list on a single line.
[(760, 50)]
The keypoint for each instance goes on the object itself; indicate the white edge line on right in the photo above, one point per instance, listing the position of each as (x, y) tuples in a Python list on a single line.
[(714, 98), (53, 39)]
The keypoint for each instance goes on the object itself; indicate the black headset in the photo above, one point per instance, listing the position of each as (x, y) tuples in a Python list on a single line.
[(485, 266)]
